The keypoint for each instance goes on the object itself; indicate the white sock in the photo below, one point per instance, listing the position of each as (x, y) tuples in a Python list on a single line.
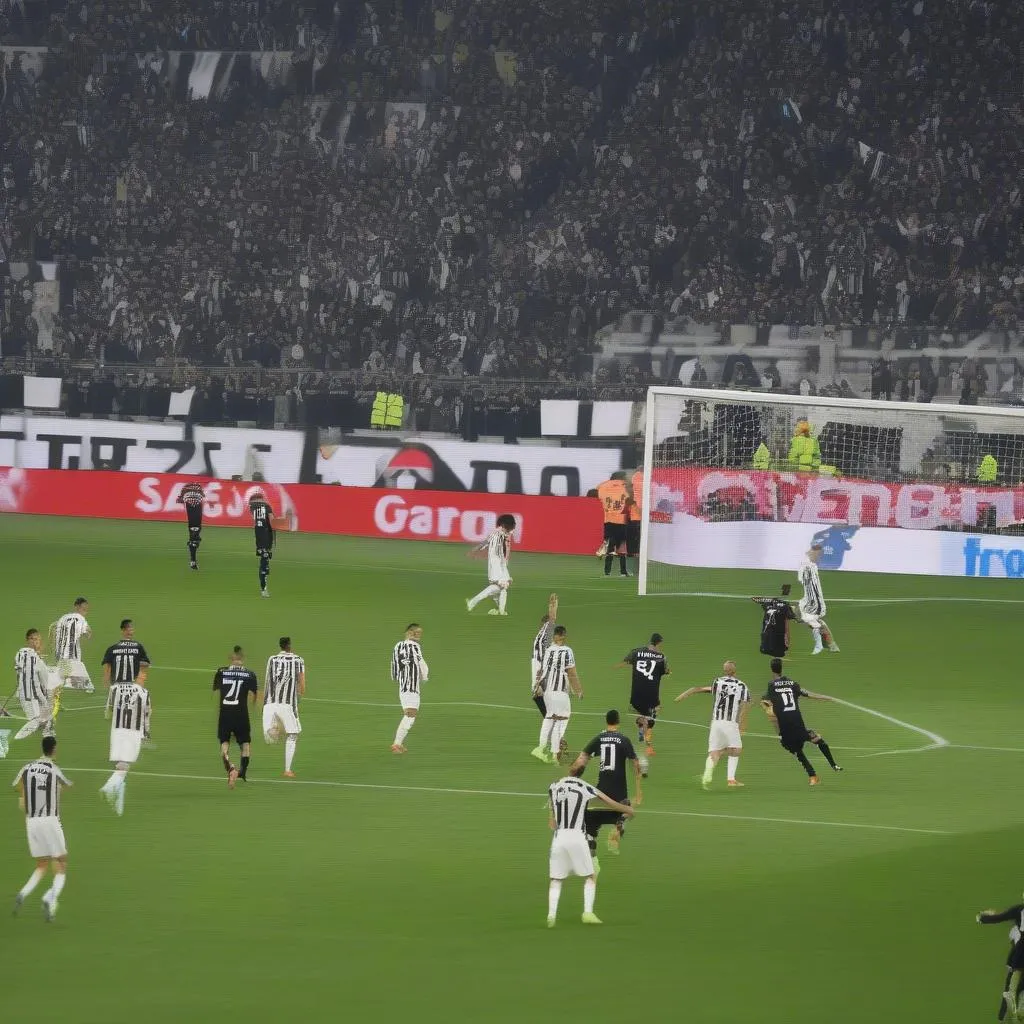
[(290, 743), (733, 765), (816, 633), (709, 768), (557, 732), (589, 895), (53, 893), (489, 591), (554, 892), (404, 726), (545, 732), (502, 599), (116, 780), (34, 879)]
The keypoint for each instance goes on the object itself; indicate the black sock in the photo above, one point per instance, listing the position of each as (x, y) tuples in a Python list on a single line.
[(622, 565), (192, 551), (227, 762), (823, 747), (608, 564), (245, 766), (264, 572), (802, 758)]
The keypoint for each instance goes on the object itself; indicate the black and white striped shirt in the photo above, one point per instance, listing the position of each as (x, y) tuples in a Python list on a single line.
[(542, 641), (130, 707), (282, 685), (813, 601), (43, 780), (554, 668), (568, 798), (408, 668), (68, 632), (728, 695), (31, 672)]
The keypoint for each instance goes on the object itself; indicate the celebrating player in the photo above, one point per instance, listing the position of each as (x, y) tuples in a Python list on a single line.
[(264, 523), (778, 614), (781, 704), (812, 604), (39, 786), (614, 750), (36, 686), (541, 642), (192, 497), (649, 666), (284, 685), (498, 547), (236, 687), (130, 708), (1011, 1007), (614, 499), (730, 705), (557, 678), (66, 636), (410, 671), (570, 853)]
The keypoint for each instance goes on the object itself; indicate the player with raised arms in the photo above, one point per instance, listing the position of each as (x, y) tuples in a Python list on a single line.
[(558, 679), (541, 642), (498, 547), (730, 705)]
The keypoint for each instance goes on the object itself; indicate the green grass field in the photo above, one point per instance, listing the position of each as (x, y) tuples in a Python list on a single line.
[(414, 888)]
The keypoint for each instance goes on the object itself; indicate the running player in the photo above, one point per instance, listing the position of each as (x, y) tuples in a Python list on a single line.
[(36, 686), (236, 687), (541, 642), (264, 523), (812, 604), (498, 547), (649, 667), (410, 671), (284, 686), (66, 636), (129, 708), (558, 678), (192, 497), (778, 614), (730, 705)]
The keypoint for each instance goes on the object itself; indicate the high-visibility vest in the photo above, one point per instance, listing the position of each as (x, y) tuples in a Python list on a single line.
[(762, 457), (613, 500), (988, 470), (388, 410)]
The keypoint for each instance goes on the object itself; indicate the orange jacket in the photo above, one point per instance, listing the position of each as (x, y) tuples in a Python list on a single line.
[(613, 496), (636, 509)]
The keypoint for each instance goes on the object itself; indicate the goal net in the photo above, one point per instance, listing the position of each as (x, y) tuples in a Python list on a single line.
[(743, 480)]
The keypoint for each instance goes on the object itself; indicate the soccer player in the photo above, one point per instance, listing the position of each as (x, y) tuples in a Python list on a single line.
[(557, 678), (264, 523), (614, 498), (1010, 1005), (129, 708), (192, 497), (778, 614), (614, 750), (285, 684), (730, 705), (781, 704), (126, 661), (541, 642), (36, 686), (649, 666), (39, 785), (570, 853), (498, 547), (634, 517), (236, 687), (66, 636), (410, 671), (812, 604)]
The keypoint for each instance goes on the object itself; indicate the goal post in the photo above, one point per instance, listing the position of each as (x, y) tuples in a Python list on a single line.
[(749, 480)]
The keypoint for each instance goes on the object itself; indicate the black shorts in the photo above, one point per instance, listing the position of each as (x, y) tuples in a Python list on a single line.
[(777, 651), (633, 537), (234, 725), (195, 516), (794, 738), (644, 709), (265, 545), (615, 535), (1015, 961)]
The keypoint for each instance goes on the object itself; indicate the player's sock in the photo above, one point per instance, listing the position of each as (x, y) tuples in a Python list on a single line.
[(824, 748), (245, 767), (709, 770), (192, 549), (546, 728), (733, 764), (290, 743), (816, 633), (502, 600), (404, 726), (554, 893), (34, 879), (227, 762), (589, 895), (557, 732), (264, 572), (608, 559), (623, 571), (53, 893), (491, 590), (807, 766)]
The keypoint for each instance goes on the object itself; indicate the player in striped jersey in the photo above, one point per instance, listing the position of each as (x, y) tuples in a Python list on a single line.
[(730, 705), (541, 642), (283, 687), (129, 709), (39, 784), (410, 671), (192, 497), (557, 677), (498, 547), (812, 604), (36, 686), (66, 636), (570, 852)]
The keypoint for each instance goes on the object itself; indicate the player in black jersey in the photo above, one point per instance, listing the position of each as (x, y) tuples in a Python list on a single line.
[(236, 687), (649, 666), (192, 497), (264, 523), (778, 614), (781, 703), (614, 750), (127, 660), (1009, 1006)]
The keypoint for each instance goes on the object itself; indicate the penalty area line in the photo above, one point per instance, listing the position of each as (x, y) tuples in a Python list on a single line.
[(448, 791)]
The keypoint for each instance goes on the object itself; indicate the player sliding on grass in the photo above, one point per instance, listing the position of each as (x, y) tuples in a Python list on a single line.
[(498, 547), (1011, 1008), (812, 604)]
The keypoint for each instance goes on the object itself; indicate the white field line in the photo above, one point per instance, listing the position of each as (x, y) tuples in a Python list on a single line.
[(854, 600), (443, 790), (935, 740)]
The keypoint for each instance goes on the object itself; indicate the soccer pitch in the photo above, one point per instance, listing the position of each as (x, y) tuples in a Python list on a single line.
[(414, 887)]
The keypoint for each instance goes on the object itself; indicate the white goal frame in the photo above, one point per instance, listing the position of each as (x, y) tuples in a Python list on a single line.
[(898, 410)]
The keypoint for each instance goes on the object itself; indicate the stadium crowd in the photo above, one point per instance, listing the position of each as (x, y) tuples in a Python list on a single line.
[(469, 190)]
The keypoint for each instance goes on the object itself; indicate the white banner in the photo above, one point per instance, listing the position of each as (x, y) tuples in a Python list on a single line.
[(559, 417), (181, 402), (42, 392)]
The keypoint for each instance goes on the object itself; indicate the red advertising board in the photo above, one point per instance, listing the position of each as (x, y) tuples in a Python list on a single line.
[(545, 524)]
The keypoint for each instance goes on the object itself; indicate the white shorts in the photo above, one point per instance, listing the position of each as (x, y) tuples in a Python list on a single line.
[(409, 701), (45, 837), (72, 668), (125, 745), (814, 621), (33, 708), (570, 855), (557, 704), (278, 720), (724, 734), (534, 669), (498, 574)]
